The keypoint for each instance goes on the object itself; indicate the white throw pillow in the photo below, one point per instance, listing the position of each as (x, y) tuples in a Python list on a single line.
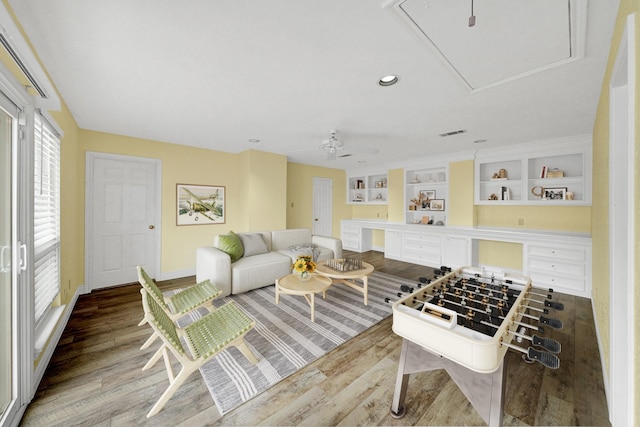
[(253, 244)]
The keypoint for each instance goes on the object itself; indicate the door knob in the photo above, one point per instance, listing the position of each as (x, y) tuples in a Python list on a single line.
[(151, 227)]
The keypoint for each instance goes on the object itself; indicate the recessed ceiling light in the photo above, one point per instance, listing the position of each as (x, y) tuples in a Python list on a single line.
[(254, 140), (388, 80), (362, 161), (479, 141)]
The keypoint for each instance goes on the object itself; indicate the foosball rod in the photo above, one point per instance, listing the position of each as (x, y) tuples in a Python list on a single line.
[(479, 302), (546, 343), (547, 359), (540, 319), (449, 288), (547, 303)]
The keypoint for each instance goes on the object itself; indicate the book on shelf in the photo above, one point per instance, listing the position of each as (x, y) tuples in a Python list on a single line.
[(543, 172), (506, 194)]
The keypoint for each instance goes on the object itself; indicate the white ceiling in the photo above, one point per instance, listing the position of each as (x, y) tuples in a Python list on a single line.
[(216, 74)]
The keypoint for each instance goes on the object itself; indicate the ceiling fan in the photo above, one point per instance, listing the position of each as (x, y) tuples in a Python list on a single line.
[(335, 144)]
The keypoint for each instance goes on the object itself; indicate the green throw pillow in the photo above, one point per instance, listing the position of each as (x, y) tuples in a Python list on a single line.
[(231, 244)]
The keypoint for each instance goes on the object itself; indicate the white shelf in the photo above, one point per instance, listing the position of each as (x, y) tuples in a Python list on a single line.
[(367, 189), (524, 167), (431, 182)]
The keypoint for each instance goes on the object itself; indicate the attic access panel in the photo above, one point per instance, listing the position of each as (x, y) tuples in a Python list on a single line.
[(511, 38)]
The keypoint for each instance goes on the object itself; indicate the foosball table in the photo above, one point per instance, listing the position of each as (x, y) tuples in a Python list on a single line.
[(464, 321)]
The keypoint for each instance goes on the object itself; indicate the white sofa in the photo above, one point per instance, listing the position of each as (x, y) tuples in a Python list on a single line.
[(262, 264)]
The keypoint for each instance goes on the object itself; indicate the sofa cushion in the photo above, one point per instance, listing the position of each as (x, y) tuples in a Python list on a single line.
[(253, 244), (231, 244), (282, 239), (259, 270)]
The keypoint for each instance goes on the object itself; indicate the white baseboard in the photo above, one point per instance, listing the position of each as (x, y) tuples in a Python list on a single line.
[(176, 274), (603, 366)]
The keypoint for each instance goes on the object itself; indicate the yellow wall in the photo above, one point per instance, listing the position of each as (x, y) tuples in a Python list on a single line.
[(396, 194), (460, 211), (600, 210), (299, 195), (254, 182), (500, 254), (566, 218), (265, 179)]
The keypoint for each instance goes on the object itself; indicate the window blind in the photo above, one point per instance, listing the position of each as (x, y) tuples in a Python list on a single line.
[(46, 216)]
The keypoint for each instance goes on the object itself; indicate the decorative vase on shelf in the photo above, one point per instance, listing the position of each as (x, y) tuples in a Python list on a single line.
[(305, 276)]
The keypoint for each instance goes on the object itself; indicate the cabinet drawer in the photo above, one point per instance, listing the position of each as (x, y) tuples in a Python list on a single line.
[(350, 229), (557, 282), (555, 266), (417, 238), (351, 244), (426, 256), (569, 254)]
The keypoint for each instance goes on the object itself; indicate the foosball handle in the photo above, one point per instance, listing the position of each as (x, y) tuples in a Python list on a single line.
[(547, 359), (406, 288), (555, 305), (554, 323), (547, 343)]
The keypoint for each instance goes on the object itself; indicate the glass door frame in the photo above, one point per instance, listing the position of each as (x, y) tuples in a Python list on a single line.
[(18, 106)]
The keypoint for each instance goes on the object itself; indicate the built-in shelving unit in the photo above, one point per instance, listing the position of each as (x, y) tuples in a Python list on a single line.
[(426, 196), (545, 174), (367, 189)]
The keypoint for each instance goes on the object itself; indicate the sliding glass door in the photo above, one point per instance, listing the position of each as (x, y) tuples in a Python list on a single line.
[(7, 276)]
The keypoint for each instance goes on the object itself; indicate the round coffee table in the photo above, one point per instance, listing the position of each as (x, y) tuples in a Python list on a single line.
[(292, 285), (348, 277)]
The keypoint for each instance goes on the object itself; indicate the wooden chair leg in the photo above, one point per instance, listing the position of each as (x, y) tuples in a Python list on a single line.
[(168, 393), (149, 341), (246, 351), (157, 355)]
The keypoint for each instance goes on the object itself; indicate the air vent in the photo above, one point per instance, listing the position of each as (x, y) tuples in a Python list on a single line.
[(453, 132)]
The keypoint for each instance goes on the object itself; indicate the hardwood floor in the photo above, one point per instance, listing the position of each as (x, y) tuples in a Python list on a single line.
[(95, 377)]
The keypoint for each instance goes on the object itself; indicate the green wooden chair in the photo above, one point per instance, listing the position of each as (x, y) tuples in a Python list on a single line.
[(199, 295), (203, 339)]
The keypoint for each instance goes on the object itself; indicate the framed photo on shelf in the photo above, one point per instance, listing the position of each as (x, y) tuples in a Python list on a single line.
[(200, 204), (555, 193), (428, 194), (437, 204)]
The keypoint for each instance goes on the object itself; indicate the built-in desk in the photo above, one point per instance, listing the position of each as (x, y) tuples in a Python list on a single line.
[(552, 259)]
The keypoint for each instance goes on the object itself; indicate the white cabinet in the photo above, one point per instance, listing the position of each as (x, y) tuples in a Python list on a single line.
[(565, 268), (456, 251), (551, 173), (393, 244), (422, 248), (356, 238), (426, 196), (367, 189)]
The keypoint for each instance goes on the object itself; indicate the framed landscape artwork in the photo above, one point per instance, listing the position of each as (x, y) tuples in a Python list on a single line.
[(200, 204)]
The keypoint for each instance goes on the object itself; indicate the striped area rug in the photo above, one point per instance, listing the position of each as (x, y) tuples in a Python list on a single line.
[(285, 340)]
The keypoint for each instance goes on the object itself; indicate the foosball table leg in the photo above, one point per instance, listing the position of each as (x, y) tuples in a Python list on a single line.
[(402, 380), (485, 391)]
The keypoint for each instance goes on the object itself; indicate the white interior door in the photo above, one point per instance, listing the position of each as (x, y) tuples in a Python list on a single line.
[(123, 208), (322, 206)]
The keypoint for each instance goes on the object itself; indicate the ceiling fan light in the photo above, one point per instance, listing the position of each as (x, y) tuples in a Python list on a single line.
[(388, 80)]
